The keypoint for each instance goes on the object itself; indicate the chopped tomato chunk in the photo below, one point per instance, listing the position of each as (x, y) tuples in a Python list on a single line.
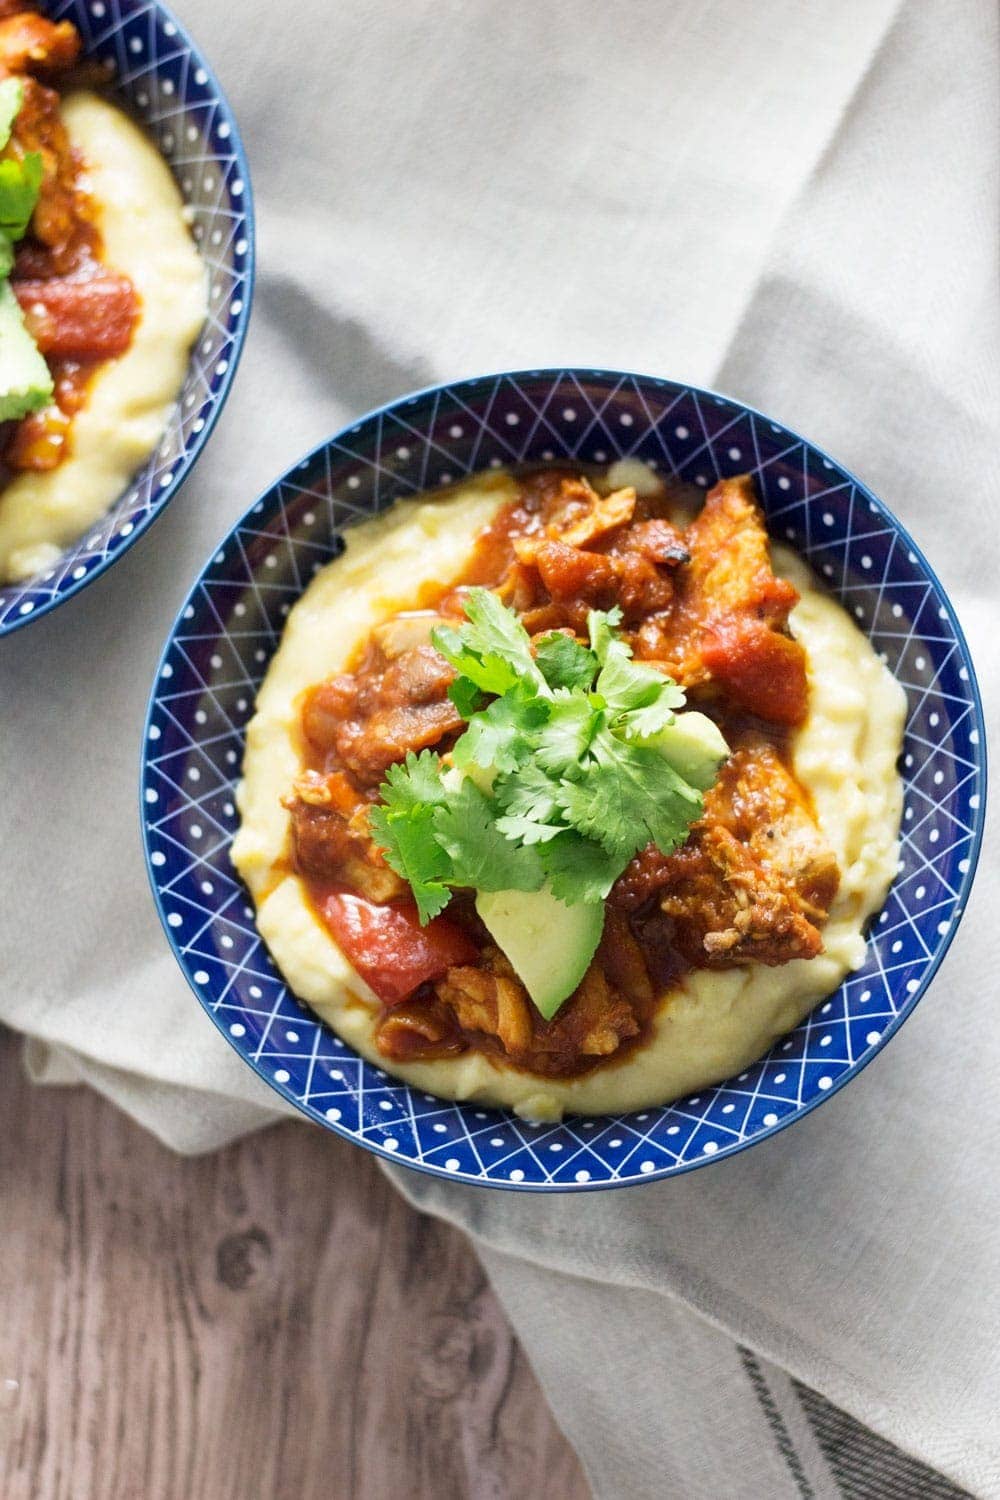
[(760, 669), (80, 319), (388, 946)]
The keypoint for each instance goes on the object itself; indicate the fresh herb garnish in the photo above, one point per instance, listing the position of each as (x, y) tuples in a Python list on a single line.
[(575, 787)]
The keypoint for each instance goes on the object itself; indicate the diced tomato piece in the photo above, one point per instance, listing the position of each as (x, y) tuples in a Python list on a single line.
[(765, 672), (388, 946), (567, 572), (80, 319)]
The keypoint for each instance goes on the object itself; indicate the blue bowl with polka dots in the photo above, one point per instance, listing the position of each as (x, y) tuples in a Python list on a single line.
[(219, 649), (162, 81)]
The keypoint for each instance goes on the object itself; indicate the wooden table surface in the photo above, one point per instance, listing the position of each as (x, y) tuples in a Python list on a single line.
[(269, 1321)]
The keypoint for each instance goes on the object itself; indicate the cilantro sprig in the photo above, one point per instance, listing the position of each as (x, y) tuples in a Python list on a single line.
[(559, 734)]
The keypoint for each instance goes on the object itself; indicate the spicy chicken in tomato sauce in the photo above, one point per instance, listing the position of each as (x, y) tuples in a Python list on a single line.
[(101, 291), (755, 879), (79, 310), (567, 790)]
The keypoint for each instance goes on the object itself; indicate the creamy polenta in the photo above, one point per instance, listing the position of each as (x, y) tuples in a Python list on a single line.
[(711, 1023), (145, 236)]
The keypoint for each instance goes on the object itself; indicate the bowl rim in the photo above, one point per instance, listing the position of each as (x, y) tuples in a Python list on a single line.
[(724, 1152), (239, 332)]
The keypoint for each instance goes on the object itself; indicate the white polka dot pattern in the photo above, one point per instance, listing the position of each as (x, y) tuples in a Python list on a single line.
[(230, 626)]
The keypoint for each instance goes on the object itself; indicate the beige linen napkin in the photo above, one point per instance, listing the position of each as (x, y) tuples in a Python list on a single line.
[(797, 204)]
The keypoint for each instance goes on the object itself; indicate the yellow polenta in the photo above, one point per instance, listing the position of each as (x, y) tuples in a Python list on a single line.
[(711, 1024), (141, 218)]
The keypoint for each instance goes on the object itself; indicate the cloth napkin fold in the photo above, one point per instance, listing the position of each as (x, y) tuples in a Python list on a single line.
[(797, 205)]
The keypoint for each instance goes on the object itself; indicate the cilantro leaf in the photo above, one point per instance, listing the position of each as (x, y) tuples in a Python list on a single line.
[(639, 697), (490, 674), (528, 830), (493, 649), (466, 696), (578, 869), (403, 828), (406, 837), (480, 855), (413, 782), (627, 797), (497, 630), (639, 723), (529, 794), (624, 683), (640, 694), (565, 738), (500, 736), (563, 662), (600, 627), (557, 785)]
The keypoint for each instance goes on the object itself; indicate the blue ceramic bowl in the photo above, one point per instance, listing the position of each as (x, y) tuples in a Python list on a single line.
[(161, 79), (223, 639)]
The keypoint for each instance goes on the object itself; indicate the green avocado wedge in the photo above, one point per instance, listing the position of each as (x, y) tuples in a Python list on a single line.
[(25, 379), (548, 943), (693, 745)]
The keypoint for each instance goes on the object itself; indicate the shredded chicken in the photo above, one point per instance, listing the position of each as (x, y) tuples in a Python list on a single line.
[(759, 801), (418, 1031), (602, 516), (728, 623), (729, 908), (490, 1000), (754, 879)]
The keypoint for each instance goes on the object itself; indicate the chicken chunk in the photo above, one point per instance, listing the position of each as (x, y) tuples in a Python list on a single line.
[(418, 1031), (30, 42), (756, 877), (730, 909), (492, 1001), (331, 839), (603, 515), (759, 801), (62, 222), (373, 718), (729, 619)]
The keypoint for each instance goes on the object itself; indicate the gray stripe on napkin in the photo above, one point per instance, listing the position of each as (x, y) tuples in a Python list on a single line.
[(864, 1465), (775, 1421)]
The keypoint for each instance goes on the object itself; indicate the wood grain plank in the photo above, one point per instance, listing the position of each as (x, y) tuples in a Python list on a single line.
[(271, 1320)]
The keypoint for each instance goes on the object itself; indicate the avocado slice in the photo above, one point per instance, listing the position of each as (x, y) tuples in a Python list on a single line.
[(11, 99), (548, 943), (25, 378), (694, 746)]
